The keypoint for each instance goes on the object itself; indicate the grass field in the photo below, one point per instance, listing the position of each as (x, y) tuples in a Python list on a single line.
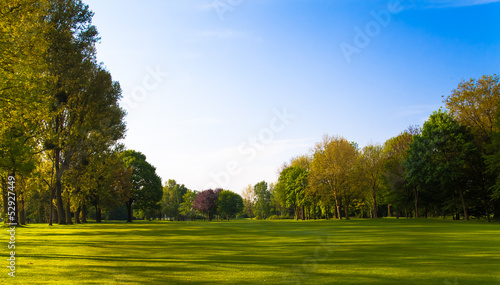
[(384, 251)]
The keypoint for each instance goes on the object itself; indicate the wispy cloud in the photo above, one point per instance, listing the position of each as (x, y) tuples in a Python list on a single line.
[(438, 4)]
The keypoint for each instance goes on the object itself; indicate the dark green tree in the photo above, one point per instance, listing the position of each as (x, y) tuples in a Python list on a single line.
[(291, 186), (146, 189), (229, 204), (440, 164)]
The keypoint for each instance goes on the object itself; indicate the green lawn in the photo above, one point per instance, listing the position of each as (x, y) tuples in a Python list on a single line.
[(384, 251)]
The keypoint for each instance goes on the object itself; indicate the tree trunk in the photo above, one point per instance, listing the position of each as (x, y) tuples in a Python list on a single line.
[(314, 211), (374, 203), (51, 215), (68, 213), (77, 215), (389, 210), (97, 214), (303, 213), (5, 202), (60, 206), (496, 210), (466, 216), (129, 210), (346, 210), (337, 206), (20, 205), (84, 213)]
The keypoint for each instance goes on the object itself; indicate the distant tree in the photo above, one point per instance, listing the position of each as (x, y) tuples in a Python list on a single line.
[(172, 198), (146, 184), (186, 207), (400, 194), (291, 186), (249, 200), (229, 204), (332, 163), (372, 160), (263, 200), (205, 202)]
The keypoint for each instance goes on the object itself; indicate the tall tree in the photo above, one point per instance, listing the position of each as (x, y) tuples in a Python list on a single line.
[(333, 161), (70, 58), (493, 160), (372, 160), (23, 82), (442, 159), (474, 104), (396, 151)]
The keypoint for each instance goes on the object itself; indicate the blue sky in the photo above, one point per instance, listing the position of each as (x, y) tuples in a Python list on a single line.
[(221, 93)]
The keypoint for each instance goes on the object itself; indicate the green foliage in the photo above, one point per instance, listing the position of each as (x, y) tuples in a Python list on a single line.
[(186, 207), (229, 204), (440, 162), (263, 200), (493, 159), (146, 189), (173, 197), (291, 186), (399, 194)]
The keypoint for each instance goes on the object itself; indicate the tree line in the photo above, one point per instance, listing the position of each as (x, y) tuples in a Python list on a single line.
[(448, 167)]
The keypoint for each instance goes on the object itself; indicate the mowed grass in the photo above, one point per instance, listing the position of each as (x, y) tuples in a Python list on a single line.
[(384, 251)]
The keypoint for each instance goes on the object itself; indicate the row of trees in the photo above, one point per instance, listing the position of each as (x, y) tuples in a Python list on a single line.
[(449, 167), (61, 121), (180, 203)]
